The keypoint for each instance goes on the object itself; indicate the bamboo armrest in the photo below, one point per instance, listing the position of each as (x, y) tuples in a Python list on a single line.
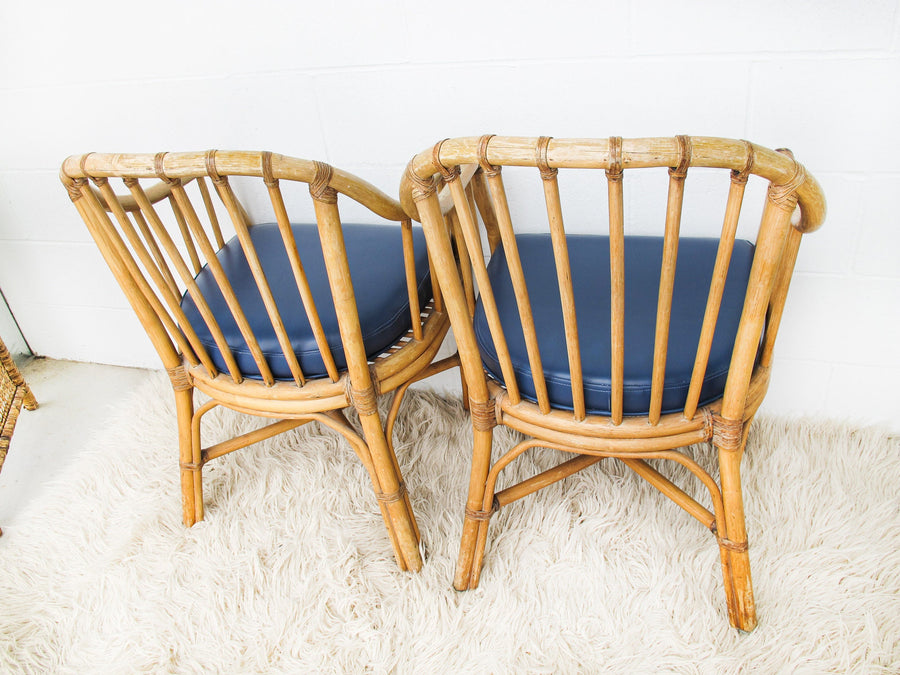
[(189, 165)]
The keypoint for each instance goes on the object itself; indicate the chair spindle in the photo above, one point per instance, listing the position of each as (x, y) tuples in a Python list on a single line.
[(520, 288), (614, 176), (717, 286), (667, 277), (492, 314), (242, 229), (187, 277), (194, 351), (185, 234), (210, 211), (563, 275), (218, 272)]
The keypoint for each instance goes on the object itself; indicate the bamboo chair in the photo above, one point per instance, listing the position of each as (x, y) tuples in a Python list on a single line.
[(269, 322), (14, 393), (600, 345)]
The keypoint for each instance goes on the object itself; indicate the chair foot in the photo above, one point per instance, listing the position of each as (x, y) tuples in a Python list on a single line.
[(731, 529), (462, 579), (742, 607), (30, 402), (191, 496), (475, 525), (471, 550), (403, 530), (191, 466)]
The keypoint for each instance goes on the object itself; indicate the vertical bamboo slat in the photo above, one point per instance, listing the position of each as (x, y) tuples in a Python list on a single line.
[(563, 276), (614, 176), (211, 212), (334, 250), (183, 333), (438, 296), (409, 267), (262, 283), (667, 278), (482, 196), (716, 289), (186, 235), (152, 244), (779, 295), (188, 279), (131, 267), (93, 215), (309, 303), (491, 312), (520, 288), (473, 209), (221, 278), (465, 264), (770, 244)]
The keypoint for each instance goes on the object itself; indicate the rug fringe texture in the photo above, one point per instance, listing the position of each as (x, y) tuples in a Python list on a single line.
[(292, 570)]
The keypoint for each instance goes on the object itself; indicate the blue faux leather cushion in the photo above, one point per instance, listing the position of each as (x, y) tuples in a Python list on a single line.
[(375, 256), (589, 260)]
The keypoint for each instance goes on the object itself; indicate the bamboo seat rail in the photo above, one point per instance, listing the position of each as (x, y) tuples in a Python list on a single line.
[(255, 291), (620, 335)]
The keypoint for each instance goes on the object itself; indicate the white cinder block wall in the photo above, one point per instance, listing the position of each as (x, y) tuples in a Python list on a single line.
[(365, 85)]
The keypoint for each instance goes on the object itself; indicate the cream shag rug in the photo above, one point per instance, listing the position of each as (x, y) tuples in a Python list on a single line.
[(292, 570)]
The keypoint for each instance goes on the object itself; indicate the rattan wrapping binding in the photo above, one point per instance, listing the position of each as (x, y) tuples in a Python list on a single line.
[(391, 497), (319, 188), (727, 434), (484, 415)]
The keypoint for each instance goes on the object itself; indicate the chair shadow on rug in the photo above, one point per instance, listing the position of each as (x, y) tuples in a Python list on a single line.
[(287, 319), (599, 344)]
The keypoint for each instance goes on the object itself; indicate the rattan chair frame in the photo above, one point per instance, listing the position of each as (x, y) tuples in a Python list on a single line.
[(14, 394), (633, 440), (154, 263)]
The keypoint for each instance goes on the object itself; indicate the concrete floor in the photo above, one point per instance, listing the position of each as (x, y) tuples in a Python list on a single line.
[(75, 400)]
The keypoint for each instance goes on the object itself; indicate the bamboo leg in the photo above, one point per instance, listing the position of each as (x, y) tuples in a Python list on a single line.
[(191, 479), (339, 423), (396, 508), (733, 540), (474, 534)]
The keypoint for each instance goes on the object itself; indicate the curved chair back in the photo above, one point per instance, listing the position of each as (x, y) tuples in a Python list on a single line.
[(161, 237), (612, 344), (776, 248)]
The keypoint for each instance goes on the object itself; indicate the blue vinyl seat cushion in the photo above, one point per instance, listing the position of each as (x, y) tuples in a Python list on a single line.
[(375, 257), (589, 261)]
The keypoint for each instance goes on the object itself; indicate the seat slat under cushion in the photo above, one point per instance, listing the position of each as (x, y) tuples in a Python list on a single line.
[(375, 257), (589, 261)]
